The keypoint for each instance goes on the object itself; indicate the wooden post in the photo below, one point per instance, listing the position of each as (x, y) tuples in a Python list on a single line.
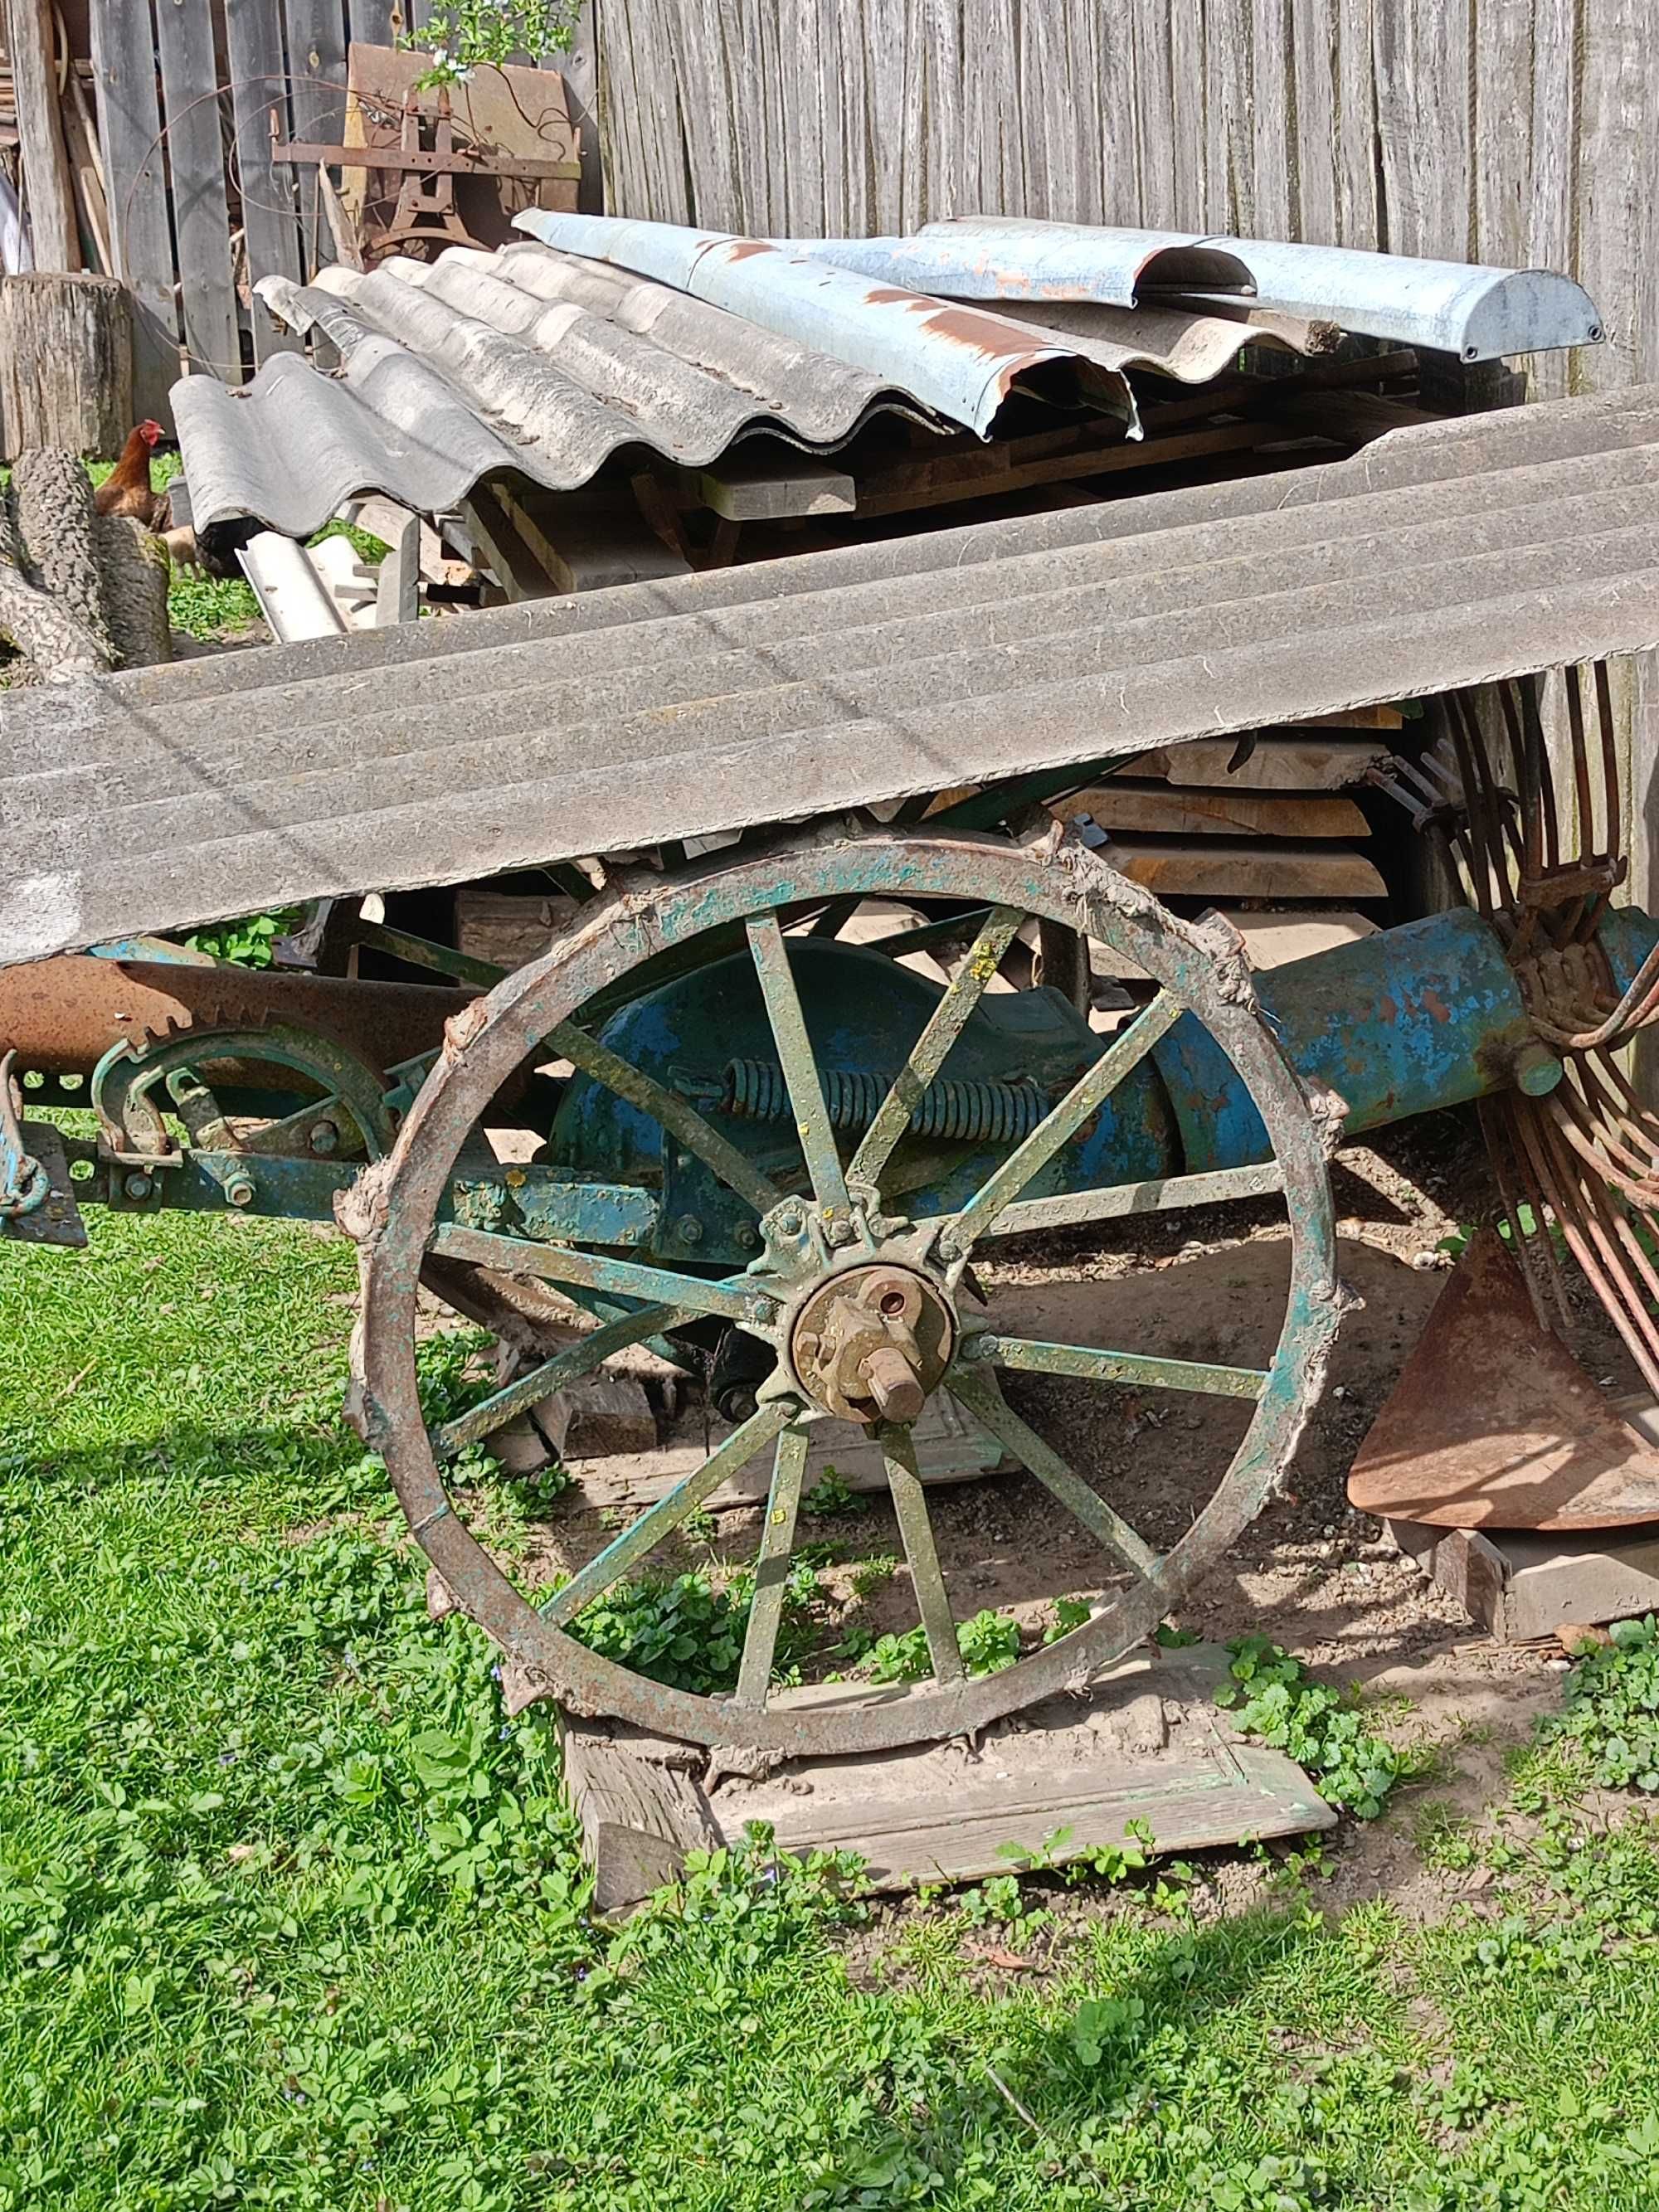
[(46, 179), (65, 363)]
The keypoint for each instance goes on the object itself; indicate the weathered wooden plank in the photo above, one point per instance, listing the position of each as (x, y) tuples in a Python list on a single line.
[(1188, 85), (1276, 764), (1552, 90), (1229, 69), (588, 544), (762, 489), (48, 188), (1313, 46), (1129, 805), (639, 1807), (253, 39), (1272, 108), (1156, 151), (317, 99), (130, 134), (1421, 63), (195, 159), (1216, 867), (1361, 221), (372, 22)]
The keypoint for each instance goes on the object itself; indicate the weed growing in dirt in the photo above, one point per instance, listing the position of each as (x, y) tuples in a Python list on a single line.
[(1612, 1707), (987, 1643), (1274, 1697)]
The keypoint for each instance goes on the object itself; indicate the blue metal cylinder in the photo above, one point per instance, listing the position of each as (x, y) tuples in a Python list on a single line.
[(1422, 1016)]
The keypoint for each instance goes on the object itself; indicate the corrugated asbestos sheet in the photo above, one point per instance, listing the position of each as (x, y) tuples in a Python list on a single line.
[(548, 362), (1441, 555), (1451, 307)]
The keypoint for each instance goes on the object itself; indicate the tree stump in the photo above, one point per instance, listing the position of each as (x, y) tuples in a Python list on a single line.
[(65, 363)]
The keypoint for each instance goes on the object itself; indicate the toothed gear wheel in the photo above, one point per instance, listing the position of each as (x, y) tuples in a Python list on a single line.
[(341, 1110)]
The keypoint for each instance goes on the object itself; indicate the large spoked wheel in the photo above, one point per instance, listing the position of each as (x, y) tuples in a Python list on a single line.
[(864, 1301)]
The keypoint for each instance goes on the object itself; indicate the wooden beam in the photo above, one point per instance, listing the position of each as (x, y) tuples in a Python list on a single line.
[(1278, 762), (586, 543), (993, 469), (207, 288), (135, 172), (770, 486), (1216, 867), (46, 179), (1122, 804), (270, 219)]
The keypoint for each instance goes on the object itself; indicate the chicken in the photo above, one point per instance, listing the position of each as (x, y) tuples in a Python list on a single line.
[(126, 490)]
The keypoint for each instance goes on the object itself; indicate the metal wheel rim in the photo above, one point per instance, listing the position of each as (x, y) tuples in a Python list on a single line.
[(396, 1204)]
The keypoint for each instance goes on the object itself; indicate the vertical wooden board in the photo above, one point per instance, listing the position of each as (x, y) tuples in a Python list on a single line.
[(1116, 80), (703, 100), (371, 21), (859, 213), (1187, 91), (1273, 119), (941, 31), (1155, 118), (1547, 184), (196, 157), (1362, 220), (802, 121), (886, 125), (258, 77), (1504, 115), (317, 102), (1421, 57), (1313, 38), (130, 135), (1088, 121)]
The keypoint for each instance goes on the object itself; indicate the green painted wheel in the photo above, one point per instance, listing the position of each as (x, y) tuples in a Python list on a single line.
[(860, 1298)]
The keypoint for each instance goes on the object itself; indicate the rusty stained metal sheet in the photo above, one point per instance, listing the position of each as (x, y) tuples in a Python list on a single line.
[(1494, 1425), (1445, 556), (1476, 312), (962, 362)]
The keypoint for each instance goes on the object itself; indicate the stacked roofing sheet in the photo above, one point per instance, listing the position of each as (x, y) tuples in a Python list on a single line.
[(547, 361), (1440, 557)]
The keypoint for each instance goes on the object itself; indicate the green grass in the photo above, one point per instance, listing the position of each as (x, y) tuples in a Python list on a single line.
[(290, 1916)]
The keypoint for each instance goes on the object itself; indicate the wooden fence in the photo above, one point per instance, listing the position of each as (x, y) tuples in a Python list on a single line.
[(1516, 131)]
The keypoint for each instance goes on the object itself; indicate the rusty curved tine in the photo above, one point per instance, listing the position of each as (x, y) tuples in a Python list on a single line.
[(677, 1115), (643, 1534), (1526, 776), (552, 1373), (927, 1578), (928, 1054), (1633, 1116), (1639, 1005), (1614, 1223), (1493, 830), (1480, 882), (1599, 1120), (760, 1638), (1503, 1148), (979, 1394), (1059, 1125), (1589, 1245), (800, 1067)]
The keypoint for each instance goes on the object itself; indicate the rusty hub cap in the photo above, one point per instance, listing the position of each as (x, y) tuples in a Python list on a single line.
[(872, 1344)]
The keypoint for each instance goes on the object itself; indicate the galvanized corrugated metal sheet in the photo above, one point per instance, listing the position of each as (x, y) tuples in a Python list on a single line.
[(1476, 312), (1440, 557)]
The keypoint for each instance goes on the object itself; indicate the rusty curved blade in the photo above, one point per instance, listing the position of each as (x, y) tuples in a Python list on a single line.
[(1494, 1425)]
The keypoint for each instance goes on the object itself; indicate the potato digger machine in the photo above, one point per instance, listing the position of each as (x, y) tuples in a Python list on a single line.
[(743, 1131)]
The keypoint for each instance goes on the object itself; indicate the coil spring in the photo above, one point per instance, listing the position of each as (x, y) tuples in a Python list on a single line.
[(974, 1111)]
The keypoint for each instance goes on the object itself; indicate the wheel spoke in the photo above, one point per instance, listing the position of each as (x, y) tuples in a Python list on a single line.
[(1089, 1365), (911, 1506), (550, 1375), (982, 1398), (642, 1536), (1085, 1096), (1160, 1194), (626, 1279), (944, 1025), (677, 1115), (760, 1640), (800, 1067)]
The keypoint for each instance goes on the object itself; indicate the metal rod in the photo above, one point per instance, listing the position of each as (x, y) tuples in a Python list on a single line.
[(642, 1536), (928, 1054), (927, 1579), (552, 1373), (1089, 1364), (800, 1068), (760, 1638), (1001, 1188), (1159, 1194), (626, 1279), (982, 1398)]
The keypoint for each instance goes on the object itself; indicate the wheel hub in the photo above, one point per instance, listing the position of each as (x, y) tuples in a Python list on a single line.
[(872, 1342)]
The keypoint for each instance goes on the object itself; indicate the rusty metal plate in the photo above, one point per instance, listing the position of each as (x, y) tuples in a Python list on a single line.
[(1494, 1425), (58, 1220)]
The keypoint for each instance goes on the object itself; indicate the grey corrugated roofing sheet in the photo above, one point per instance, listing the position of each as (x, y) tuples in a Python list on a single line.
[(1441, 555), (1475, 312), (547, 363)]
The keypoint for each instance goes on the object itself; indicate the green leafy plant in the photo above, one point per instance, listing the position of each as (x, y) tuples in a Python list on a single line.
[(1274, 1697), (460, 36), (246, 942), (987, 1643), (829, 1495), (1070, 1613), (1611, 1698), (684, 1633)]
